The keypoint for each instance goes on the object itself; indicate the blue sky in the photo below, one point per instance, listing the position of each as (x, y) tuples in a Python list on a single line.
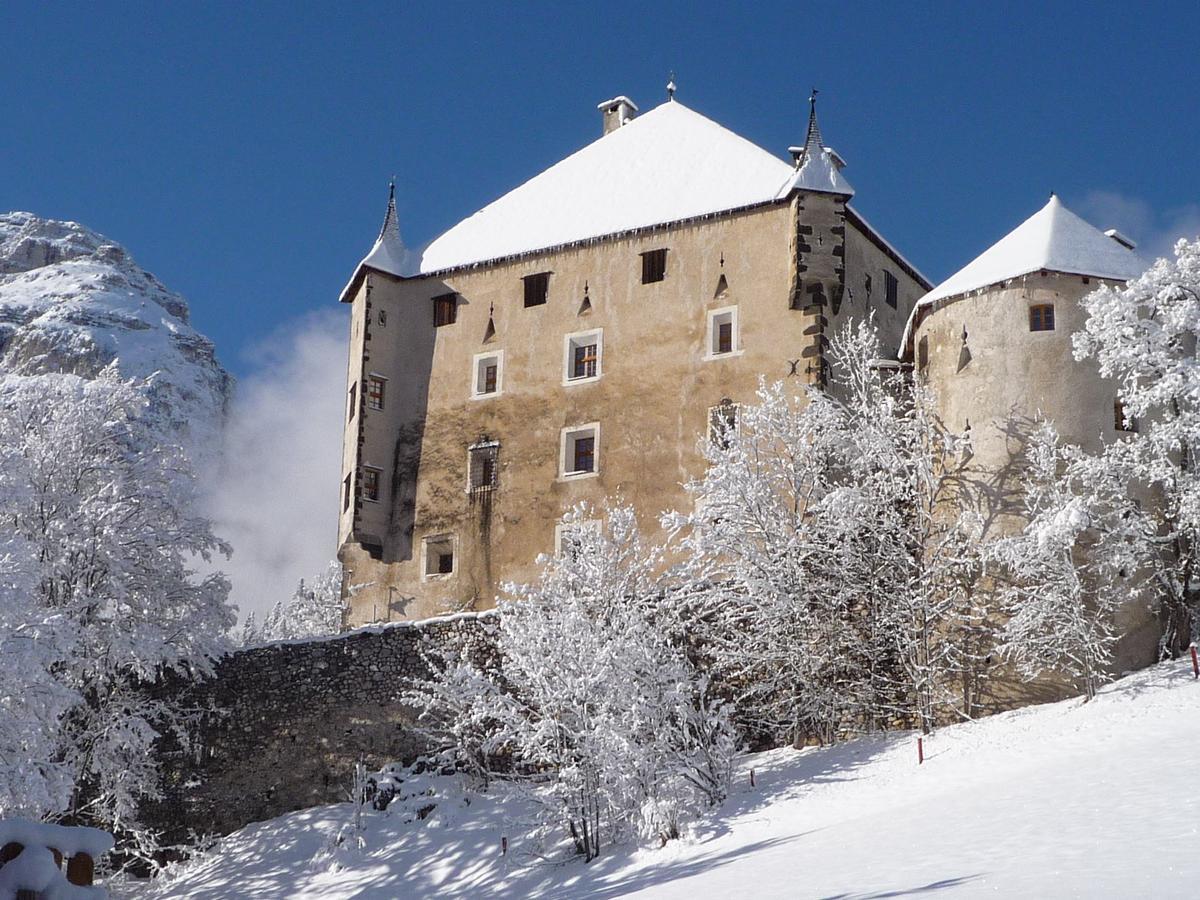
[(242, 151)]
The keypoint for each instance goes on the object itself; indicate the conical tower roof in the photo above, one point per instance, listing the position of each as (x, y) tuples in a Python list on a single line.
[(816, 169), (1053, 239), (388, 253)]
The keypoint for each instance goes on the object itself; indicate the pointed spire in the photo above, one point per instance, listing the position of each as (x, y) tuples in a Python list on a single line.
[(817, 167), (390, 220), (812, 140), (389, 253)]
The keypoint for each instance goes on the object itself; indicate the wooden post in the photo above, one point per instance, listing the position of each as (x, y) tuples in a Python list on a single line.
[(920, 751), (1195, 663)]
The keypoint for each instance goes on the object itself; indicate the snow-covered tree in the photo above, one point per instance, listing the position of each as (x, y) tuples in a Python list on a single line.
[(598, 709), (1145, 336), (315, 609), (102, 515), (832, 559), (1079, 558)]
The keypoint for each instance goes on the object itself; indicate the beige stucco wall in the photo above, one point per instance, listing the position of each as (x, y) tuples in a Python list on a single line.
[(651, 400), (1000, 377)]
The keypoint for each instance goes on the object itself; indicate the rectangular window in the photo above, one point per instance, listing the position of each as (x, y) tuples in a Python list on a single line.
[(583, 351), (1121, 421), (722, 423), (722, 332), (569, 536), (439, 556), (483, 461), (891, 289), (654, 266), (353, 401), (1041, 317), (537, 288), (923, 354), (445, 310), (371, 484), (375, 388), (579, 454), (487, 374), (346, 494)]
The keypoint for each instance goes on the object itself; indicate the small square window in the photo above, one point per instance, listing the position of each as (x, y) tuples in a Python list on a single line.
[(722, 423), (445, 310), (891, 289), (375, 388), (353, 402), (537, 288), (439, 556), (1041, 317), (487, 374), (722, 332), (654, 266), (583, 356), (580, 450), (371, 484), (483, 461)]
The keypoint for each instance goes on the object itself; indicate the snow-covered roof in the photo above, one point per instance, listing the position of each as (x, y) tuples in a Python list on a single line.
[(1053, 239), (667, 165)]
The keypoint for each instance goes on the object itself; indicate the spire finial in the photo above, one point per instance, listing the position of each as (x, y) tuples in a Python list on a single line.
[(813, 138), (671, 86)]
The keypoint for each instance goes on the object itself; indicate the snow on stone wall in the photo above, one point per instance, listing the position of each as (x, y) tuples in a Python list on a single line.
[(293, 718)]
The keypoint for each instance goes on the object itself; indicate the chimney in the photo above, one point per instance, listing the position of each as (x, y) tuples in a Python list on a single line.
[(1121, 239), (617, 112)]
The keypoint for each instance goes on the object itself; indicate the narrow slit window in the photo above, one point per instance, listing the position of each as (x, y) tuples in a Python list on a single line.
[(1041, 317), (654, 266), (445, 310), (891, 289), (537, 288), (346, 494), (353, 402)]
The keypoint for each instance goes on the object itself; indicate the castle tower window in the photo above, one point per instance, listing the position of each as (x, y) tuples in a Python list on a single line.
[(483, 466), (891, 289), (654, 266), (487, 374), (579, 454), (439, 556), (375, 388), (569, 536), (346, 494), (371, 484), (1122, 421), (445, 310), (1041, 317), (353, 402), (923, 354), (537, 288), (722, 332), (722, 423), (583, 351)]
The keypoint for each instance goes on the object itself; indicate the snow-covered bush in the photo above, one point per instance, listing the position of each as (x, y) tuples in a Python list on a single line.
[(98, 517), (1145, 336), (594, 707), (831, 563), (315, 609)]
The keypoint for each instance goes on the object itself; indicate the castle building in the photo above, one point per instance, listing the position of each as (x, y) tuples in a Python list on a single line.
[(994, 342), (576, 340)]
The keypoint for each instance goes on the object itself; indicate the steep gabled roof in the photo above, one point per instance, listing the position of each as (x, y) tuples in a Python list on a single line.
[(1054, 239)]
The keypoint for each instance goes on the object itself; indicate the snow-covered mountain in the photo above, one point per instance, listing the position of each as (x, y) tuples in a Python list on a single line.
[(73, 301)]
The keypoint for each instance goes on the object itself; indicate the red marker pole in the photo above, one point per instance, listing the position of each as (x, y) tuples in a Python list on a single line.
[(1195, 662), (920, 751)]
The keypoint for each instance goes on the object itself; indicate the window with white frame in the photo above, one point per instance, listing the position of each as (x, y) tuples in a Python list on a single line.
[(583, 352), (568, 535), (722, 332), (439, 556), (483, 460), (579, 455), (376, 384), (487, 374)]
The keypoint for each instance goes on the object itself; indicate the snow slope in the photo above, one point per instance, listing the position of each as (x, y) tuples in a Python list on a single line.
[(1066, 800), (71, 300)]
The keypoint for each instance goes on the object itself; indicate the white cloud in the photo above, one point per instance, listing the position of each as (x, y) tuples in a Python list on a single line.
[(275, 498), (1155, 231)]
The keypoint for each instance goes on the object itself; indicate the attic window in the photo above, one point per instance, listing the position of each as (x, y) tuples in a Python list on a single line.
[(1041, 317), (445, 310), (891, 289), (654, 266), (537, 288)]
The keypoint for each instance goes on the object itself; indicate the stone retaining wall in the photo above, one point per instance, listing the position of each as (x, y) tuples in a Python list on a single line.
[(292, 718)]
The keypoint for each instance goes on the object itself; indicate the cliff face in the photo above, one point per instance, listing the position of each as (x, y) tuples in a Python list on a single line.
[(73, 301)]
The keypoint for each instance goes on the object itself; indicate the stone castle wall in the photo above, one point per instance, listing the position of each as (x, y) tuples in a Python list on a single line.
[(280, 727)]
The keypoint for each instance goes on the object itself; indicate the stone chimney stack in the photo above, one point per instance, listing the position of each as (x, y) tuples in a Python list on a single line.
[(617, 112)]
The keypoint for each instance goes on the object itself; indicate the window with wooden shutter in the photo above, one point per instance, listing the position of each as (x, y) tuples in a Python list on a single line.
[(537, 288), (654, 266), (445, 310)]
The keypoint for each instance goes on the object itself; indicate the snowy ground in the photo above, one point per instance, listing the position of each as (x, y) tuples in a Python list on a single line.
[(1064, 800)]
